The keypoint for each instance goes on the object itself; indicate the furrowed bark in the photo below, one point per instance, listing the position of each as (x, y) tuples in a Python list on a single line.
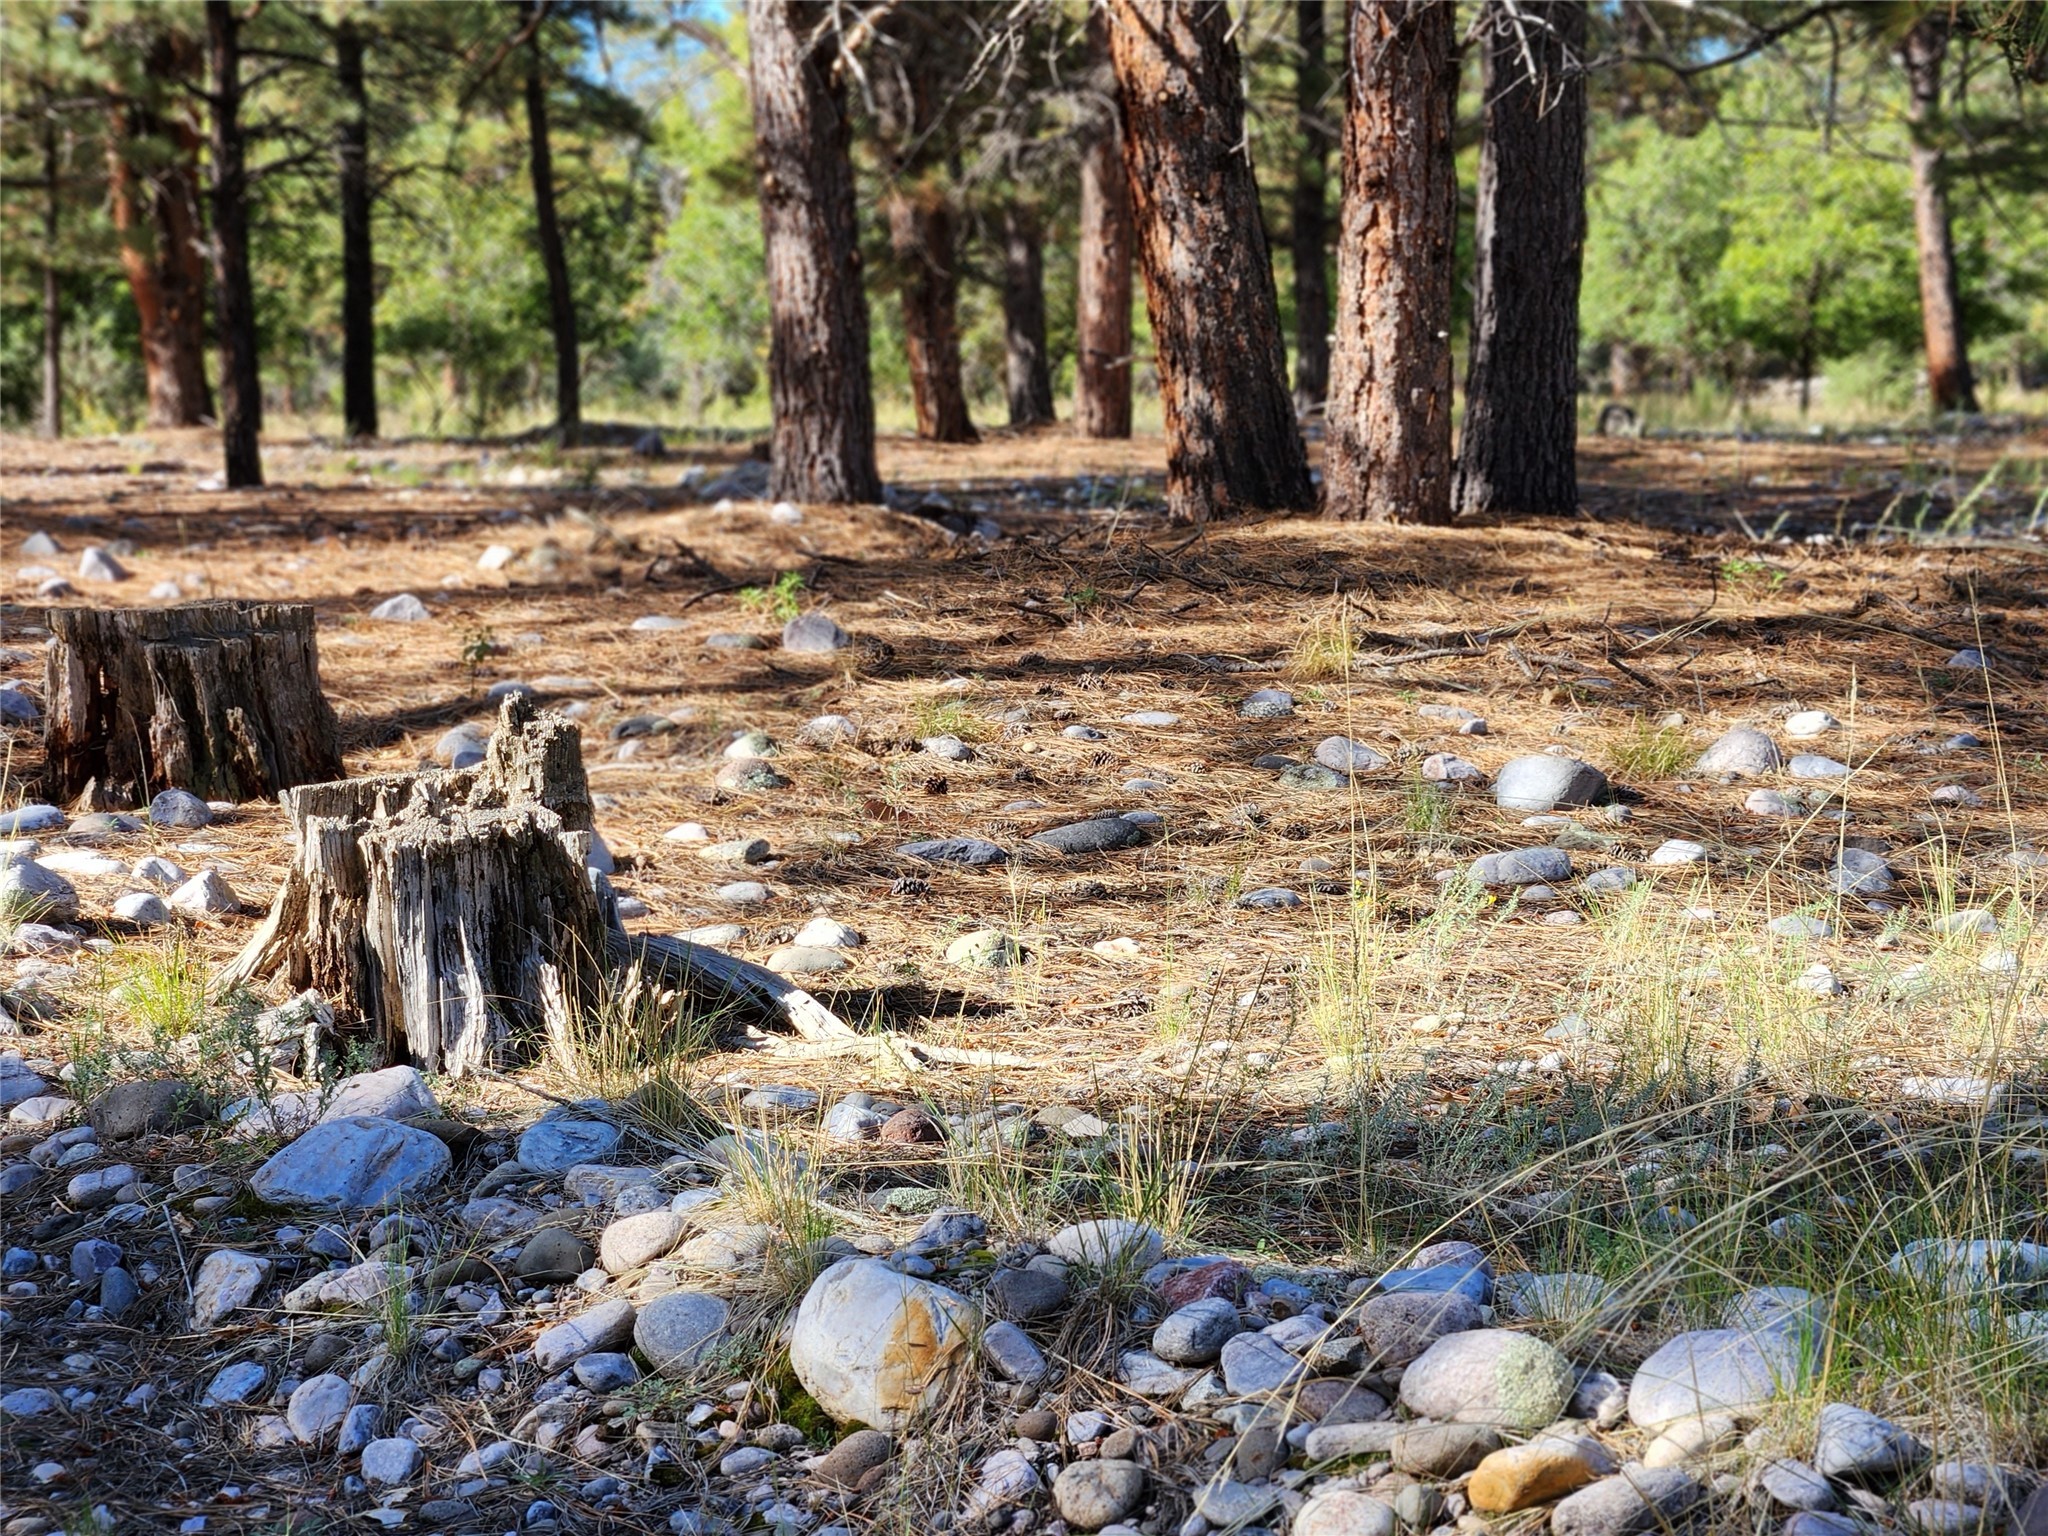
[(1311, 219), (1102, 309), (50, 420), (1388, 421), (1518, 450), (234, 304), (1027, 369), (548, 231), (157, 222), (921, 239), (1233, 444), (823, 445), (1950, 386)]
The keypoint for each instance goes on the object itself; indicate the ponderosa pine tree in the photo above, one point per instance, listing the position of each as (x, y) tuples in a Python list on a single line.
[(153, 197), (1949, 384), (548, 230), (234, 302), (50, 417), (1102, 302), (1312, 109), (1027, 368), (1517, 452), (918, 64), (1232, 442), (358, 265), (1388, 421), (823, 446)]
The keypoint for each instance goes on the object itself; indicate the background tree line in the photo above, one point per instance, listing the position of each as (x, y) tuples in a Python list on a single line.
[(449, 216)]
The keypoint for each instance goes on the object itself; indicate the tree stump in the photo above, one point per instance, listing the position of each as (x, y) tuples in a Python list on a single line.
[(453, 914), (222, 699), (454, 911)]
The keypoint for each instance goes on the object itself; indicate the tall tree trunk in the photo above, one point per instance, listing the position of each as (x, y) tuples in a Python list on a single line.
[(1102, 305), (823, 448), (921, 240), (1519, 449), (1311, 218), (1949, 385), (358, 269), (234, 305), (1028, 371), (1388, 453), (1232, 443), (561, 300), (52, 418), (153, 185)]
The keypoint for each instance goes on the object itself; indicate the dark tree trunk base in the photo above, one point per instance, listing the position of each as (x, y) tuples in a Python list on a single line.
[(222, 699)]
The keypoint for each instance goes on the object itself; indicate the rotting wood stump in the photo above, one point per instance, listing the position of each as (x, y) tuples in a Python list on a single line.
[(450, 911), (222, 699), (454, 915)]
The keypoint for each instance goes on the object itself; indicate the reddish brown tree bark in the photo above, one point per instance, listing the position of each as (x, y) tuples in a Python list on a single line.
[(153, 184), (1388, 451), (1027, 368), (1102, 306), (918, 73), (1312, 112), (823, 448), (1232, 444), (234, 302), (921, 240), (1518, 450), (1949, 384)]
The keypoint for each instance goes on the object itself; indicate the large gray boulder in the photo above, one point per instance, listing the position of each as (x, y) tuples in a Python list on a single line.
[(1489, 1376), (1744, 753), (1523, 866), (30, 893), (678, 1329), (1737, 1371), (360, 1163), (1542, 782), (395, 1093)]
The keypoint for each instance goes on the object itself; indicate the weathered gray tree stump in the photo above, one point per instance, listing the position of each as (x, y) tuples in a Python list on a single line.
[(222, 699), (454, 915), (453, 911)]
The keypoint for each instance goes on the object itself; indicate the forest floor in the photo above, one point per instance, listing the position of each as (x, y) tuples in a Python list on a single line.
[(1729, 1074)]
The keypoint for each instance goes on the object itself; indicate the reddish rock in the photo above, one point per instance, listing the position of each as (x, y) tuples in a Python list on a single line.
[(1228, 1279), (1332, 1400), (909, 1125)]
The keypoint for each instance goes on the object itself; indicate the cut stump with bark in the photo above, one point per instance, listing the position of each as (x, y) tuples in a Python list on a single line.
[(222, 699), (450, 911), (453, 914)]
